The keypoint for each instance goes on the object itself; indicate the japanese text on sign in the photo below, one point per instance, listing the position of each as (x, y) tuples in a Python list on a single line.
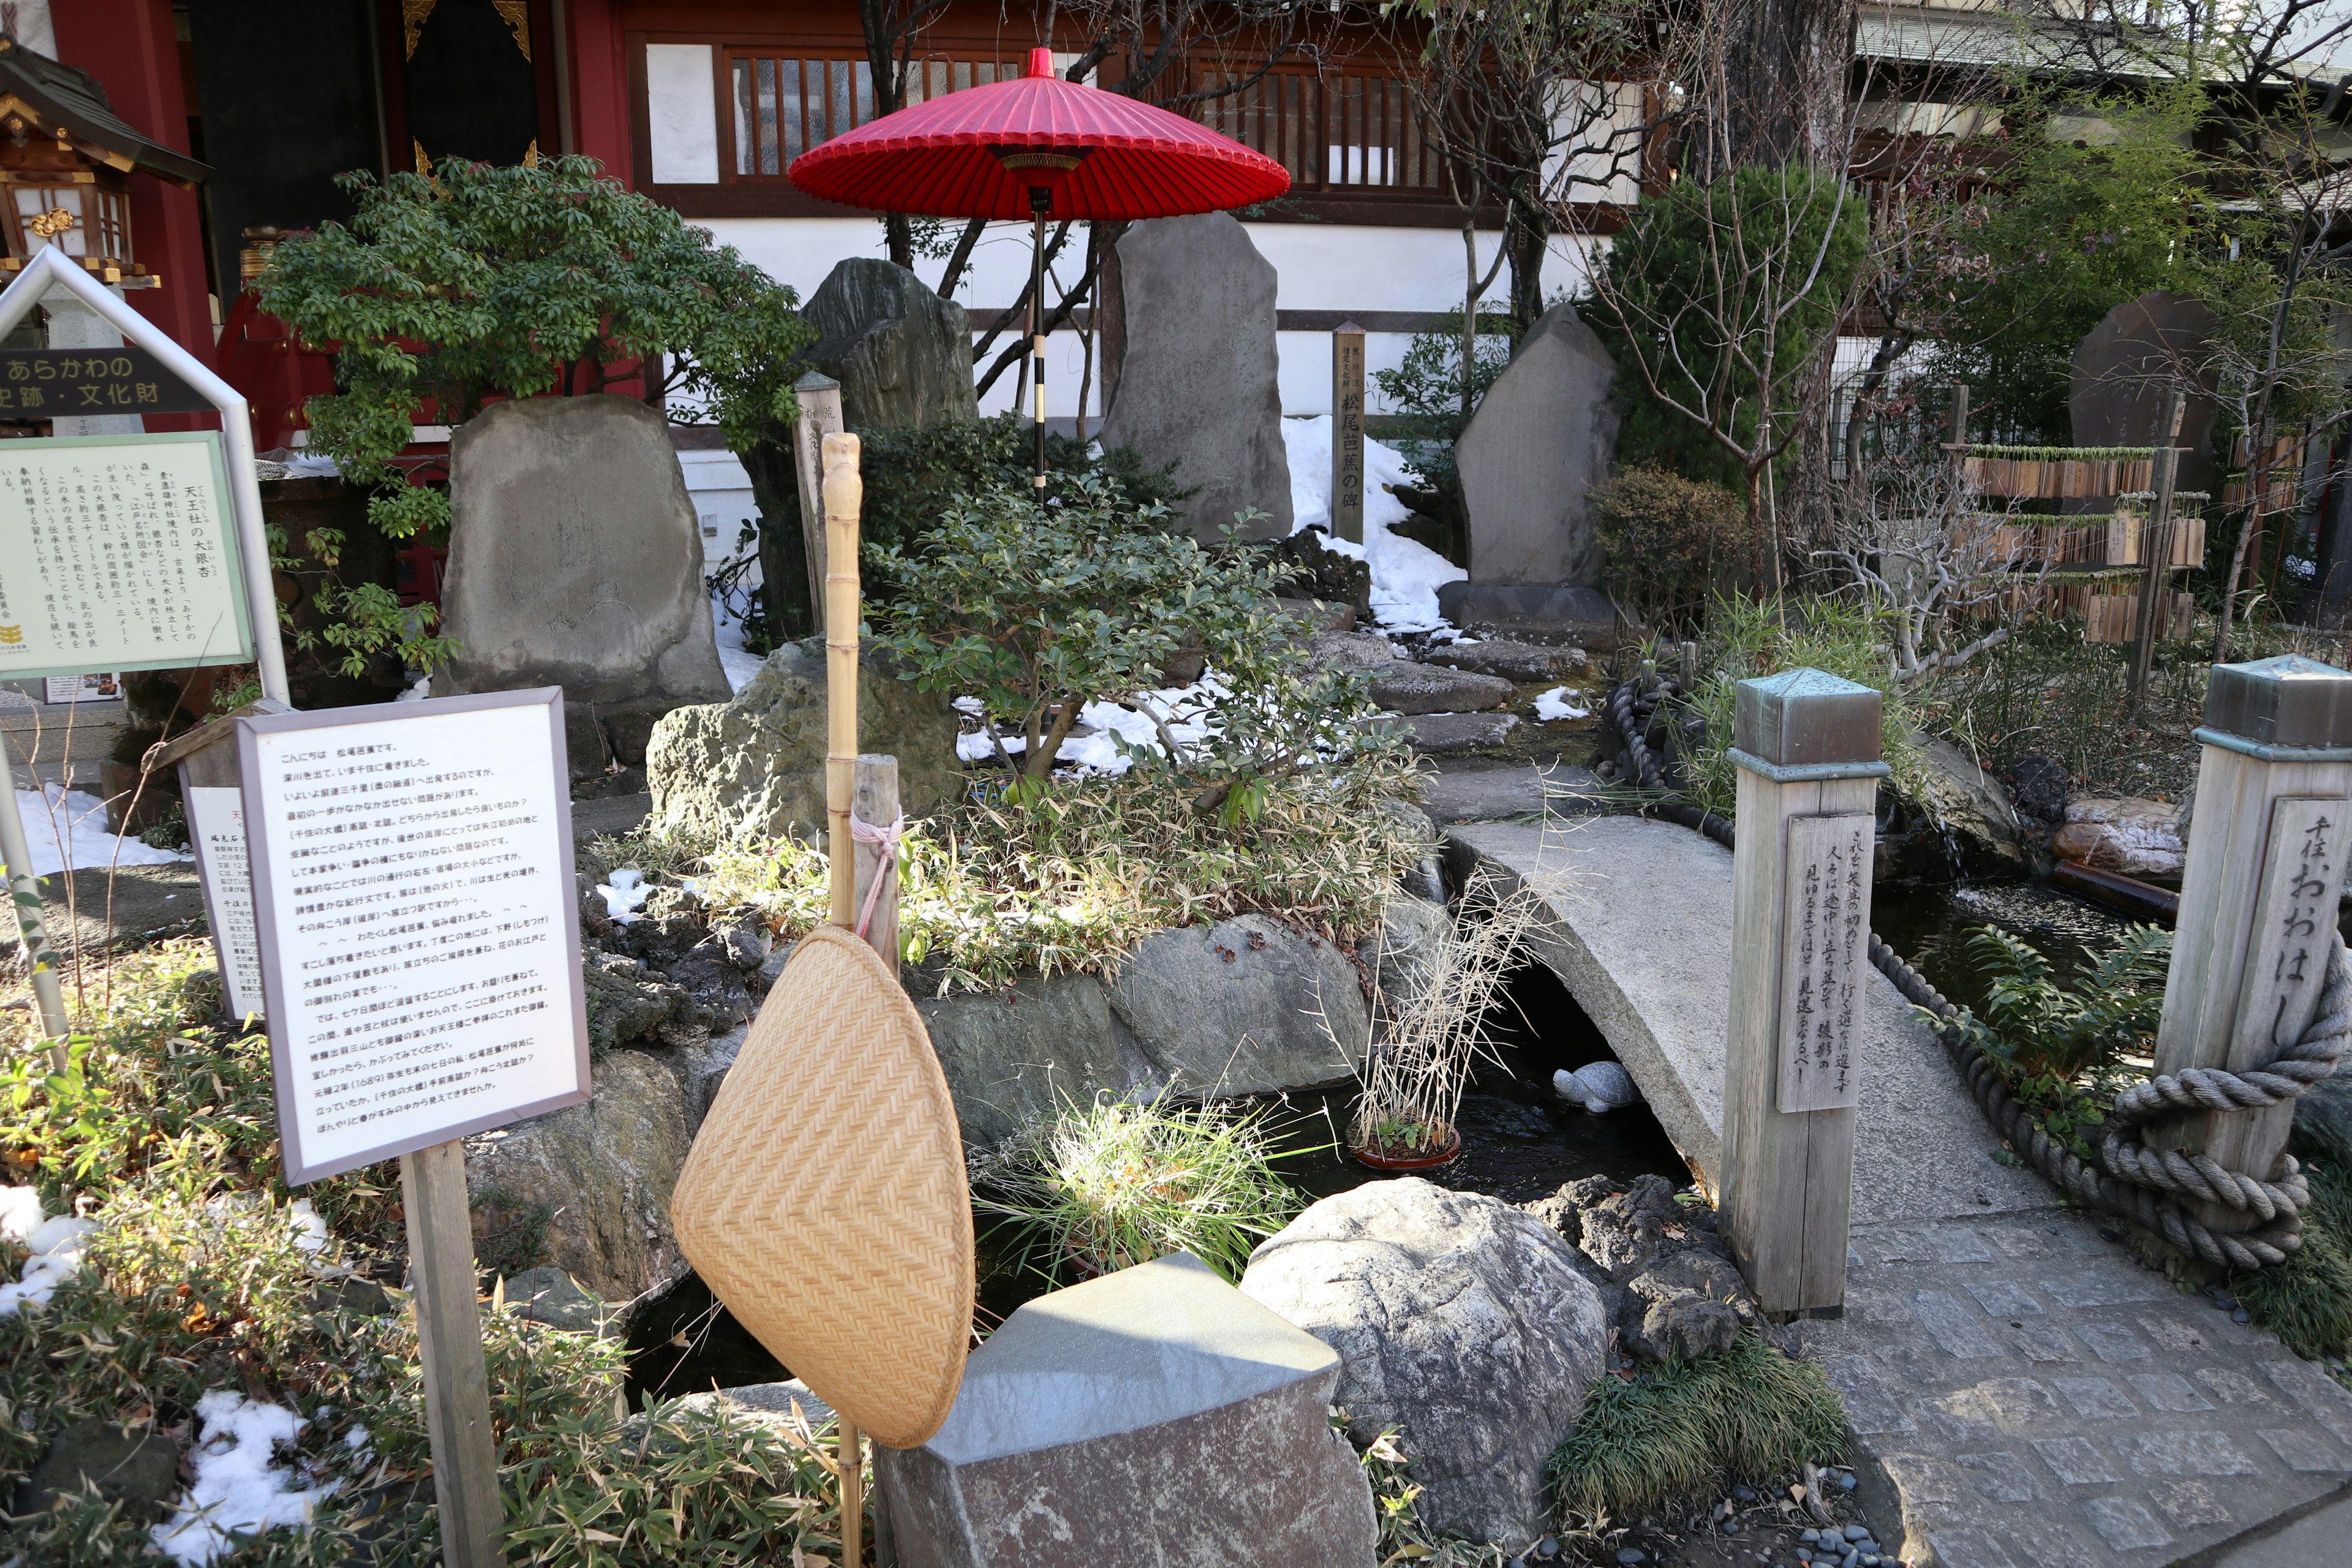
[(2302, 872), (116, 554), (217, 833), (1825, 937), (1348, 435), (419, 946), (45, 383)]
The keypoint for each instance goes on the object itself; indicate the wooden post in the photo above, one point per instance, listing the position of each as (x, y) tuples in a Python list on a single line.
[(449, 1343), (2258, 894), (1347, 433), (1807, 746), (2156, 547), (1959, 432), (820, 401), (25, 897)]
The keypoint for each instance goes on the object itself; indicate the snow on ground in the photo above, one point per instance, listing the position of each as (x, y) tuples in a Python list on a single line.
[(1405, 574), (237, 1490), (728, 629), (624, 893), (1183, 708), (57, 1245), (82, 816), (1560, 703)]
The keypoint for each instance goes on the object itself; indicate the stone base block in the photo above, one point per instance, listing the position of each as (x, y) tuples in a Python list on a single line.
[(1557, 614), (1154, 1415)]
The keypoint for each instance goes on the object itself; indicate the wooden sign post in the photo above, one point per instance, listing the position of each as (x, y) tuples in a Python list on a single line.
[(1347, 433), (419, 943), (2156, 547), (820, 401), (2258, 896), (1807, 746)]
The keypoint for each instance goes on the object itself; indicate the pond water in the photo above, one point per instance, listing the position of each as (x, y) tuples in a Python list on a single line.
[(1930, 926), (1519, 1143)]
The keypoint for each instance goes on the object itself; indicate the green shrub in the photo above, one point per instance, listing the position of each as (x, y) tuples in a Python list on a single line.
[(1747, 1412), (1112, 1185), (1668, 542), (2306, 1302)]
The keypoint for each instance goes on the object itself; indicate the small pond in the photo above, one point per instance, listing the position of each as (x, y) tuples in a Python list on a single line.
[(1519, 1143)]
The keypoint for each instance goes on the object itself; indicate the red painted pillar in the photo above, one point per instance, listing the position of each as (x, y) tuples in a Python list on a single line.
[(129, 47), (600, 84)]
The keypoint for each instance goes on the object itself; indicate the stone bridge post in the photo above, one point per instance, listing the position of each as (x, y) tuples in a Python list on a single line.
[(2259, 891), (1807, 746)]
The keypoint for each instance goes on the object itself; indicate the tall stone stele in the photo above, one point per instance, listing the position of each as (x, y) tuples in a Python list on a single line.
[(574, 558), (1188, 373), (2122, 369), (902, 354), (1544, 438)]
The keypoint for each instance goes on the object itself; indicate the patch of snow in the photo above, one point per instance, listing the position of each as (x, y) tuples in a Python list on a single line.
[(1405, 574), (1186, 710), (312, 466), (624, 893), (82, 816), (1556, 704), (310, 1228), (57, 1246), (238, 1491), (356, 1438), (20, 1213), (728, 629), (419, 692)]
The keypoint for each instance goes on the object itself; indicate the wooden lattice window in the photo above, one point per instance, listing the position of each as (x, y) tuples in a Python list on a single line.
[(1352, 132), (783, 105)]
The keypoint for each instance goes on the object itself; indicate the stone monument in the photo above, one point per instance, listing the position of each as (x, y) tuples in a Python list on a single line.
[(2123, 368), (1191, 315), (902, 354), (1544, 436), (1155, 1406), (574, 558)]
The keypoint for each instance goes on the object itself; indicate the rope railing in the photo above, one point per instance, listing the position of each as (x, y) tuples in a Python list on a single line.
[(2151, 1187)]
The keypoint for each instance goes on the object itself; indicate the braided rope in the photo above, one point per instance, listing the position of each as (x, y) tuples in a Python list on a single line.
[(2151, 1187)]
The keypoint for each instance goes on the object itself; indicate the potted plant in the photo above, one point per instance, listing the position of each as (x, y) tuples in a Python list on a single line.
[(1432, 1008)]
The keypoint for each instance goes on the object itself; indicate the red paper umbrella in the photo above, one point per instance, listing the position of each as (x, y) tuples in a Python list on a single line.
[(1037, 146)]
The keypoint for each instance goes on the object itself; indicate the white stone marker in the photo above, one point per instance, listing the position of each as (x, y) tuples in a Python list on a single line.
[(1807, 746), (2258, 894)]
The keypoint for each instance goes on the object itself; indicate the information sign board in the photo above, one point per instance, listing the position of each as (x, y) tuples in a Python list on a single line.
[(119, 553), (48, 383), (1825, 950), (217, 833), (419, 934)]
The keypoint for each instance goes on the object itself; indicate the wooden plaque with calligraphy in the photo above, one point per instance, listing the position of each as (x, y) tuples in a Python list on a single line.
[(1825, 923), (2302, 868)]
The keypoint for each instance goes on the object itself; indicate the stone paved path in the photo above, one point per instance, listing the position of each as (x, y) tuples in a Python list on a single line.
[(2022, 1392)]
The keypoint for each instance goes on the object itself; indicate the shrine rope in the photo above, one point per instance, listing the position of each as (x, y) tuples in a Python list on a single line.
[(2153, 1187)]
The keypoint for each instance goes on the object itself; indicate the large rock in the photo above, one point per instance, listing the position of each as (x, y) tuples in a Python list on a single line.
[(2122, 369), (1512, 660), (755, 766), (2137, 837), (1543, 438), (1960, 825), (587, 1188), (1561, 614), (1402, 686), (1194, 380), (1462, 1323), (2323, 1119), (902, 354), (1152, 1414), (1244, 1007), (139, 1470), (1018, 1055), (574, 557)]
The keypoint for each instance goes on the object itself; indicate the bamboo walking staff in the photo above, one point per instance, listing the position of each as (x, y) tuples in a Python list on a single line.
[(844, 494)]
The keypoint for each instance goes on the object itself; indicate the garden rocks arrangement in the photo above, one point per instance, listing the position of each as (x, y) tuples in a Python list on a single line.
[(1463, 1324), (2137, 837), (755, 766), (902, 354), (1961, 825), (1671, 1289)]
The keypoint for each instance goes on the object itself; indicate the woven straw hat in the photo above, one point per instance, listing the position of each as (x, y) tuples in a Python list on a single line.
[(825, 1201)]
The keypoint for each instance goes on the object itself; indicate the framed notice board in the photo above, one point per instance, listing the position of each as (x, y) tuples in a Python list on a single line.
[(119, 553), (416, 921)]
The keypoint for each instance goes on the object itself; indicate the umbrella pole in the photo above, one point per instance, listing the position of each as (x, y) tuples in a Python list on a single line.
[(844, 494), (1040, 199)]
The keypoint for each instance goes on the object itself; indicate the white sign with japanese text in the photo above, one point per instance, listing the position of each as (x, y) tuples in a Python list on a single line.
[(217, 833), (419, 931), (117, 552), (1824, 948)]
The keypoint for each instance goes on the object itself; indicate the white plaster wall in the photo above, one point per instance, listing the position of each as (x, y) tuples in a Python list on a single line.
[(721, 492), (683, 124)]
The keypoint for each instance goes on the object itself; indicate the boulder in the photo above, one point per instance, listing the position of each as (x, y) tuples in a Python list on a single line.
[(1247, 1005), (574, 557), (1361, 651), (2122, 368), (1453, 734), (1624, 1231), (2137, 837), (1016, 1055), (1511, 659), (1410, 930), (587, 1188), (2039, 785), (1689, 1303), (1544, 437), (1426, 878), (2323, 1119), (1543, 613), (140, 1471), (1156, 1409), (902, 354), (1958, 826), (1189, 371), (755, 765), (1462, 1323), (1402, 686), (553, 1298)]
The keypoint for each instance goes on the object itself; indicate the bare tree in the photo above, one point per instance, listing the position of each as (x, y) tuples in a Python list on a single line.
[(894, 33)]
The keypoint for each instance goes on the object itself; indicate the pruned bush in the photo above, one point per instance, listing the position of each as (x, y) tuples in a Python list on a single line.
[(1669, 543)]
